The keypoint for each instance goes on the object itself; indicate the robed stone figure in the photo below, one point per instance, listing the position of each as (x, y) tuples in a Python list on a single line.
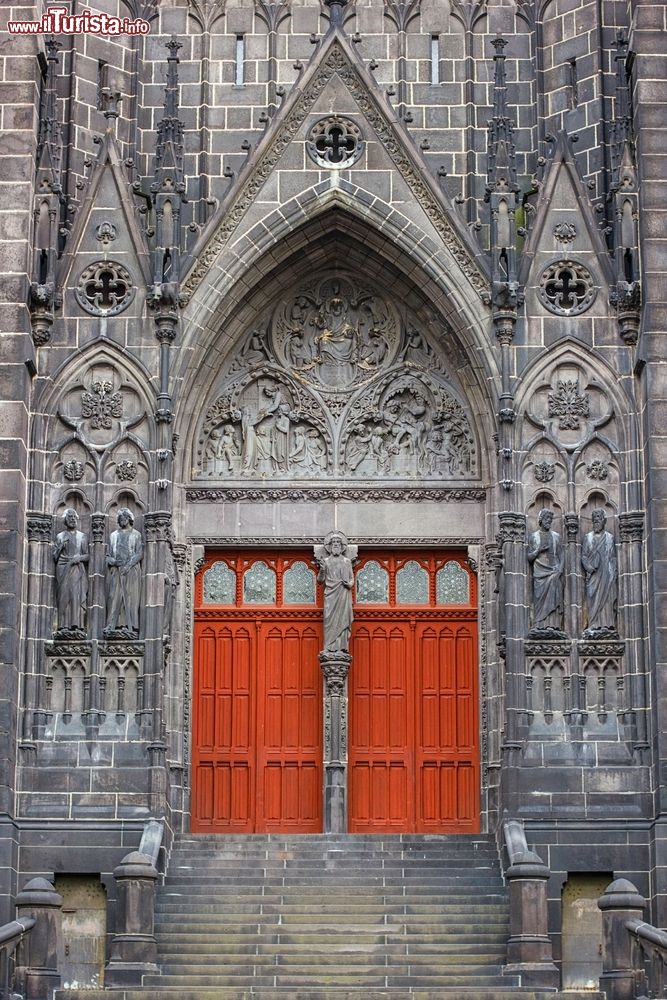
[(335, 572), (598, 558), (124, 556), (70, 555), (546, 556)]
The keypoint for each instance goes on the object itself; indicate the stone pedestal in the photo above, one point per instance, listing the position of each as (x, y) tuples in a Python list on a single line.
[(620, 903), (133, 951), (335, 667), (38, 955), (529, 951)]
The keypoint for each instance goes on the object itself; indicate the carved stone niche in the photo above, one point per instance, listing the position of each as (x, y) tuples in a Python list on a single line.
[(548, 689), (603, 697)]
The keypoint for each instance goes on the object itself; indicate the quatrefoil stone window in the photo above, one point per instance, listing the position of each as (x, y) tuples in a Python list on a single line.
[(566, 288), (335, 142), (105, 288)]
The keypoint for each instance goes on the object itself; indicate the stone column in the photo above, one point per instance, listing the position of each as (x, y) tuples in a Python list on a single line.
[(39, 953), (335, 667), (133, 951), (512, 536), (632, 623), (619, 903), (529, 951), (39, 624)]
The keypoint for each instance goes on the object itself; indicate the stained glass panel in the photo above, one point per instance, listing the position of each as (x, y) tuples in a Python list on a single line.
[(259, 584), (412, 584), (219, 584), (452, 584), (373, 584), (299, 584)]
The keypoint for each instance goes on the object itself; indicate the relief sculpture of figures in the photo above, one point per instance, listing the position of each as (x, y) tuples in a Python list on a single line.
[(124, 555), (71, 556), (545, 555), (335, 572), (598, 558)]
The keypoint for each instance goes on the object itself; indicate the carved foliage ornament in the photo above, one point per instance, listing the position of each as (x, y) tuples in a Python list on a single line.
[(105, 288), (569, 404), (101, 405), (566, 288), (544, 471)]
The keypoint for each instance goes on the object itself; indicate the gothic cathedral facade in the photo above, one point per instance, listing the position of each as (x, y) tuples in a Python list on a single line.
[(333, 402)]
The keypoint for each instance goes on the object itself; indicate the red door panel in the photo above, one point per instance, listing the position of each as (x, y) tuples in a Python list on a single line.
[(257, 711), (413, 705)]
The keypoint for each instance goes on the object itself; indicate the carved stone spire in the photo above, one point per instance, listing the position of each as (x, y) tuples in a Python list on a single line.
[(501, 145), (626, 294), (502, 189), (168, 190), (622, 139), (168, 187), (47, 204)]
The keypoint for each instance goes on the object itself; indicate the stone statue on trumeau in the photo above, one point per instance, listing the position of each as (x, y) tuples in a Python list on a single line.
[(334, 559), (70, 555), (598, 558), (545, 555), (124, 555)]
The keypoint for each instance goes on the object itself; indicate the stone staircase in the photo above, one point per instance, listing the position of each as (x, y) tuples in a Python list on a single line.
[(332, 916)]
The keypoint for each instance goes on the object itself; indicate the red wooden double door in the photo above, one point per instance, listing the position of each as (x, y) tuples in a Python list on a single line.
[(413, 733)]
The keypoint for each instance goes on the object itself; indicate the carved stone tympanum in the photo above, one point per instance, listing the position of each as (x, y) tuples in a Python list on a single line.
[(71, 557), (124, 557)]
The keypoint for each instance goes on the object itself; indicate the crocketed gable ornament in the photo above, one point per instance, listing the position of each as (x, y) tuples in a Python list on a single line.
[(566, 288), (335, 142), (105, 288)]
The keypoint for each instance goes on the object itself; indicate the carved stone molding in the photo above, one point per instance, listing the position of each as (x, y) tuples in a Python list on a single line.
[(158, 526), (370, 494), (39, 527), (335, 667), (120, 648), (98, 527), (550, 648), (512, 527), (68, 649), (631, 526), (571, 522), (602, 648), (306, 541)]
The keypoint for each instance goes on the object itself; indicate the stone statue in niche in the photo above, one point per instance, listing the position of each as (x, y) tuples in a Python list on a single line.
[(70, 555), (334, 558), (598, 558), (546, 556), (124, 555)]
